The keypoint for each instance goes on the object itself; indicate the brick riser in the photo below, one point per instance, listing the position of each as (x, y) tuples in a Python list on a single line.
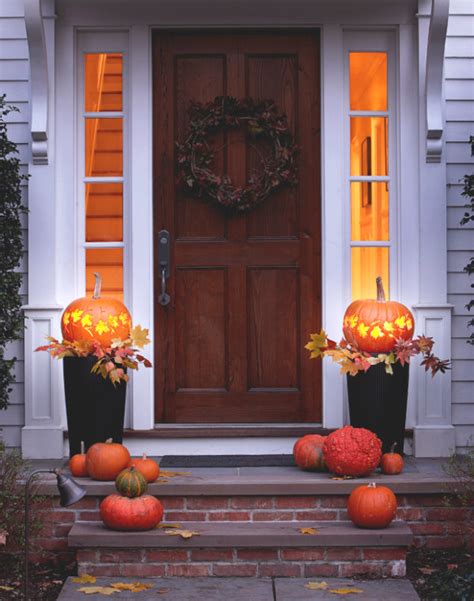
[(295, 562), (432, 523)]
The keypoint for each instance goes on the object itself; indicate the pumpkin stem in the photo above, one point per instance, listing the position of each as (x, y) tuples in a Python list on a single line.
[(371, 485), (98, 285), (144, 456), (132, 468), (392, 448), (82, 447), (380, 290)]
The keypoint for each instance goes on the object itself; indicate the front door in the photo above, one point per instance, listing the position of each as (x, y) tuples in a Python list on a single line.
[(245, 289)]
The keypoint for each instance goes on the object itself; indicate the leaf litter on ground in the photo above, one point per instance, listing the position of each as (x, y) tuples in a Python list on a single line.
[(311, 531), (84, 579), (182, 533)]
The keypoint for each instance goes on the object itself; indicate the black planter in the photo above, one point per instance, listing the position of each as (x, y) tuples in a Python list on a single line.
[(95, 407), (378, 402)]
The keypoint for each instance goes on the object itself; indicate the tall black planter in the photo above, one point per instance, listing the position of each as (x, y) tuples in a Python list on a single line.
[(95, 407), (378, 402)]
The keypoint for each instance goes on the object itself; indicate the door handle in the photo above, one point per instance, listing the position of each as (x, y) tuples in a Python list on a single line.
[(164, 265)]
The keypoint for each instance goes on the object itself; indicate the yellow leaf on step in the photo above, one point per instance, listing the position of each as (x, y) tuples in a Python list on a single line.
[(317, 586), (182, 533), (4, 587), (134, 587), (84, 579), (98, 590), (163, 525), (345, 591), (311, 531), (165, 474)]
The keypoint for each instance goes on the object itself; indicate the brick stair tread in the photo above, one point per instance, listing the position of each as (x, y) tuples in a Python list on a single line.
[(244, 535)]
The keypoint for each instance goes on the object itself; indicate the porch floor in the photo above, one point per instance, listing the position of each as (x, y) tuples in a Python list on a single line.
[(245, 589)]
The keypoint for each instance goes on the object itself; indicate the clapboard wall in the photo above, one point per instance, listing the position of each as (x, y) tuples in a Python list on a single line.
[(459, 92), (459, 74)]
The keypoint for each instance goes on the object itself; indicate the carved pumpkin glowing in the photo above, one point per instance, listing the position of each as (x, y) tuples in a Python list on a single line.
[(96, 318), (308, 453), (372, 506), (122, 513), (373, 326)]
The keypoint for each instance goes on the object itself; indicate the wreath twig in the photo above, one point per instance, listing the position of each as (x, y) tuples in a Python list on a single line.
[(195, 155)]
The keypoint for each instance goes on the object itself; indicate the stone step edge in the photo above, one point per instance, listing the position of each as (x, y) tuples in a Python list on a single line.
[(243, 535)]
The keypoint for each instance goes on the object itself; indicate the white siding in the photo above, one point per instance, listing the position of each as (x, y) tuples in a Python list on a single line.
[(459, 91), (14, 75)]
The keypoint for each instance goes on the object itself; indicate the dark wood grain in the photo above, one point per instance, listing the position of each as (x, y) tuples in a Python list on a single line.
[(245, 290)]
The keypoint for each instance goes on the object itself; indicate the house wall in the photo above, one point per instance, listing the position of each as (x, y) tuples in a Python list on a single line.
[(459, 92), (14, 76), (459, 74)]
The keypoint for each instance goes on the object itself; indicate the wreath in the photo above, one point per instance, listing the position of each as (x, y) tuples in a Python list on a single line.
[(262, 121)]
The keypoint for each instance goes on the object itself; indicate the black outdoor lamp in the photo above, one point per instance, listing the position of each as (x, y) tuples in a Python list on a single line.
[(70, 492)]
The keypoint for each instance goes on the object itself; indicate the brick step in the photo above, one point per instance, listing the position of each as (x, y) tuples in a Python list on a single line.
[(243, 549)]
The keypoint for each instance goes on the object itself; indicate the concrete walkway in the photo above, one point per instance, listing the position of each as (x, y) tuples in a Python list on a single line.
[(248, 589)]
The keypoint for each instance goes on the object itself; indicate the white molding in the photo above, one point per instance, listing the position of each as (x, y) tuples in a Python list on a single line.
[(434, 79), (39, 80)]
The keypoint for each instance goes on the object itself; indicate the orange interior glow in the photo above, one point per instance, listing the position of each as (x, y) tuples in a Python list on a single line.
[(369, 211), (367, 264), (368, 81), (369, 146), (103, 82), (104, 212), (109, 263)]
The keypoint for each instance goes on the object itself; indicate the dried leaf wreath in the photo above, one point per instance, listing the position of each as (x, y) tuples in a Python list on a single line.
[(196, 155)]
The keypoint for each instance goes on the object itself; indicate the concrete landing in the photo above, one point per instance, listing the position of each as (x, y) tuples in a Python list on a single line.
[(248, 589)]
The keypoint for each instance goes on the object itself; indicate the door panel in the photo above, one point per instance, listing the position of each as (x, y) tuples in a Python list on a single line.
[(245, 289)]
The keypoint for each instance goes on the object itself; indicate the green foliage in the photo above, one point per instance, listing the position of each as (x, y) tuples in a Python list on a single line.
[(468, 192), (460, 469), (11, 249), (13, 473)]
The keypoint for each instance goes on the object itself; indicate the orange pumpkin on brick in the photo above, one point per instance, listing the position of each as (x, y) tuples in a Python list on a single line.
[(373, 326), (97, 318)]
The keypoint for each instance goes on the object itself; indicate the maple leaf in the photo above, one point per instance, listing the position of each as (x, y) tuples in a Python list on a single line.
[(164, 525), (84, 579), (182, 533), (404, 350), (316, 586), (311, 531), (317, 344), (101, 590), (134, 587), (165, 474), (425, 344), (346, 591), (139, 336)]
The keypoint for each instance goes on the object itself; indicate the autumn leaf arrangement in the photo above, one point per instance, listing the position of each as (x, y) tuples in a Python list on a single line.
[(112, 359), (352, 360)]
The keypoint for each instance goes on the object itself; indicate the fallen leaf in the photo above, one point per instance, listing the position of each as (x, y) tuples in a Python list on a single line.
[(134, 587), (182, 533), (84, 579), (164, 525), (4, 587), (317, 586), (308, 530), (427, 571), (98, 590), (342, 478), (165, 474), (345, 591), (163, 591)]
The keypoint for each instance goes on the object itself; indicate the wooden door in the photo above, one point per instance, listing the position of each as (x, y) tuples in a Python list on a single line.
[(246, 289)]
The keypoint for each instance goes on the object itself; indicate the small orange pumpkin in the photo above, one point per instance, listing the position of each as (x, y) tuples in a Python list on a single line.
[(122, 513), (77, 464), (146, 466), (105, 460), (96, 318), (371, 506), (392, 463), (373, 326), (308, 453)]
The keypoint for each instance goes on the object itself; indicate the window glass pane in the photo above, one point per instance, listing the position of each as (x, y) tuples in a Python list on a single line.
[(103, 82), (368, 81), (367, 264), (109, 263), (369, 211), (104, 213), (104, 154), (369, 146)]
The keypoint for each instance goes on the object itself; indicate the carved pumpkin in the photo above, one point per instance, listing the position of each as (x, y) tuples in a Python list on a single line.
[(105, 460), (149, 468), (131, 483), (122, 513), (77, 464), (373, 326), (352, 451), (308, 453), (372, 506), (96, 318), (392, 463)]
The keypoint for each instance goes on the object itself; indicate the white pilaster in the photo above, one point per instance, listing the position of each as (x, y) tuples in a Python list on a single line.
[(434, 433), (43, 432)]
